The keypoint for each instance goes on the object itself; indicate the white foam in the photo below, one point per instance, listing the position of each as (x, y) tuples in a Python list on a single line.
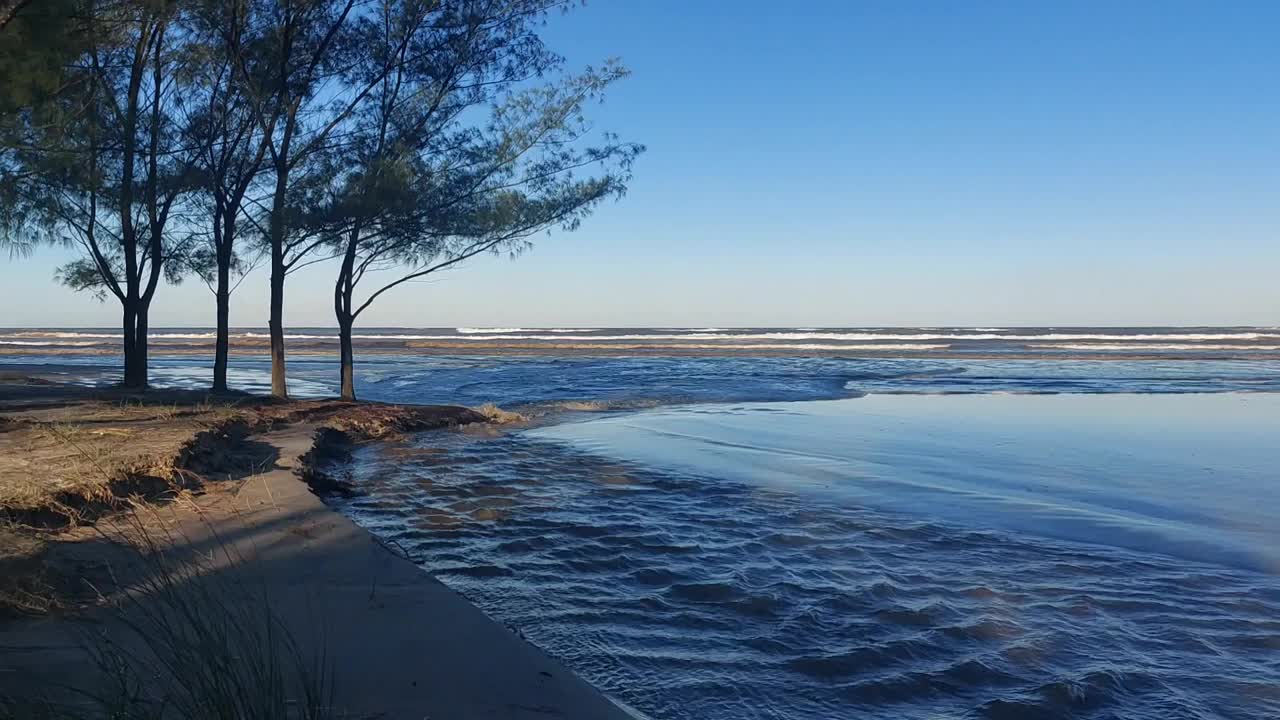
[(66, 335), (1152, 336), (845, 336), (48, 343), (1156, 346), (817, 346), (113, 336)]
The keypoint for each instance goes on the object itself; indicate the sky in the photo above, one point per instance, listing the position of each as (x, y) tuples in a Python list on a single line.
[(875, 162)]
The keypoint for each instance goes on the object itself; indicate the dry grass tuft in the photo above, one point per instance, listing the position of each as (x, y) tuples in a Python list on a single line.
[(375, 421)]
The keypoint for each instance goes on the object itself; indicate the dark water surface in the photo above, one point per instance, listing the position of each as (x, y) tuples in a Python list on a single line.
[(1000, 532)]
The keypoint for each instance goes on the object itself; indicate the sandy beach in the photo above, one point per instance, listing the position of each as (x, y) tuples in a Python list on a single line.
[(216, 483)]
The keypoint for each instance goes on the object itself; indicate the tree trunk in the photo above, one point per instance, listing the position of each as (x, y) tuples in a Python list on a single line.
[(279, 384), (221, 345), (224, 235), (128, 234), (130, 344), (279, 387), (135, 345), (347, 359), (342, 289), (140, 347)]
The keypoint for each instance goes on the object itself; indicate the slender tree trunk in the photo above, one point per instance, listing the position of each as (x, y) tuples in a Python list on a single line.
[(279, 386), (222, 344), (223, 231), (130, 345), (347, 358), (342, 289)]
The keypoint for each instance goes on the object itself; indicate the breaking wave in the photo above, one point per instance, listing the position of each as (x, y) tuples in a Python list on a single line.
[(1157, 346)]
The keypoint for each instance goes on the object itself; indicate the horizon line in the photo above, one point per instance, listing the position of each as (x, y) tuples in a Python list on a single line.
[(588, 328)]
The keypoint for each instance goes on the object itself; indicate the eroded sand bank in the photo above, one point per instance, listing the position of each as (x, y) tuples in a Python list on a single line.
[(398, 643)]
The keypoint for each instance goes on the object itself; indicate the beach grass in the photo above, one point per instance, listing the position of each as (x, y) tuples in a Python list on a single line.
[(185, 635)]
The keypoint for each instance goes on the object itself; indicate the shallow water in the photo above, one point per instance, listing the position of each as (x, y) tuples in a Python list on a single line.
[(888, 556), (1193, 476), (547, 382)]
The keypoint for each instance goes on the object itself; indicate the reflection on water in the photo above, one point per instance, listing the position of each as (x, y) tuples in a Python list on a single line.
[(1185, 475), (744, 562)]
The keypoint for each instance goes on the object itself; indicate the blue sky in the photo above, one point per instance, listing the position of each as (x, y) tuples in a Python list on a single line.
[(877, 163)]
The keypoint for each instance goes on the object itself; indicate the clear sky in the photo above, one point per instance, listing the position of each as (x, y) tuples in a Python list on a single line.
[(877, 162)]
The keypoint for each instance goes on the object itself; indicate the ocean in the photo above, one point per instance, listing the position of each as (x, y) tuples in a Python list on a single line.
[(994, 342), (830, 523)]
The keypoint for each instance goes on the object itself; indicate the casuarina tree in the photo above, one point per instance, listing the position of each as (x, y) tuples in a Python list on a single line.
[(301, 98), (230, 147), (98, 162), (472, 141)]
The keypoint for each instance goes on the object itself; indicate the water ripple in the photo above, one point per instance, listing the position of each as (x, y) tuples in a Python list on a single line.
[(688, 597)]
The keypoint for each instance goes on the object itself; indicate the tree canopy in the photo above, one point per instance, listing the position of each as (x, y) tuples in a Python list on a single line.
[(396, 138)]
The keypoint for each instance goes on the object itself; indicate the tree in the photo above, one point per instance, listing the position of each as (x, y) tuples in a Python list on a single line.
[(455, 153), (401, 136), (230, 148), (299, 100), (98, 163)]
